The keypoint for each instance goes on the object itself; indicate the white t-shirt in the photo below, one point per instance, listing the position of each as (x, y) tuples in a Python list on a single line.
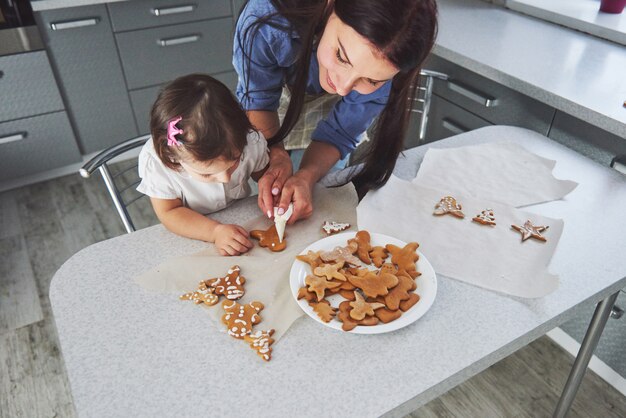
[(162, 182)]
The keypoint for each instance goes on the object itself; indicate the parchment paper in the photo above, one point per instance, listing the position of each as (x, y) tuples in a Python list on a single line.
[(503, 172), (266, 273), (485, 256)]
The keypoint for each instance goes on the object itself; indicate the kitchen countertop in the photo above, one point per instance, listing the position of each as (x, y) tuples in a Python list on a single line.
[(130, 352), (576, 73)]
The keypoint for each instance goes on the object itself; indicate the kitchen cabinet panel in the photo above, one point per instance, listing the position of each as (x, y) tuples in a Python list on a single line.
[(36, 144), (154, 56), (447, 119), (83, 53), (151, 13), (142, 99), (489, 100), (27, 86)]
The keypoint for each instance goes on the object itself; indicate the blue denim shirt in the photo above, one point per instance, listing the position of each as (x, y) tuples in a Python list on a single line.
[(273, 53)]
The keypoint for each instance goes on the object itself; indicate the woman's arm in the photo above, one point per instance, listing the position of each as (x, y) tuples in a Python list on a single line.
[(229, 239)]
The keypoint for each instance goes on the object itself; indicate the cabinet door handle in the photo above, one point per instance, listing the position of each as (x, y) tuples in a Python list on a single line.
[(470, 93), (13, 137), (1, 74), (163, 11), (73, 24), (180, 40), (452, 127)]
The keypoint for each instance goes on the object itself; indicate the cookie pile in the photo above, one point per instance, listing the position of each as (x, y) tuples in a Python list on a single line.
[(372, 295), (239, 319)]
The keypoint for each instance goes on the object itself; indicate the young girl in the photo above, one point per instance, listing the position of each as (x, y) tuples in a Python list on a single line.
[(365, 53), (202, 152)]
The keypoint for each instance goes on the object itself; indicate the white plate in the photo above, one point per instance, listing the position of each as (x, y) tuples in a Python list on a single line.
[(426, 284)]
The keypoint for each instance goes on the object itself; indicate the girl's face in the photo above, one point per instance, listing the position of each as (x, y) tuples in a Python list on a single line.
[(349, 62), (218, 170)]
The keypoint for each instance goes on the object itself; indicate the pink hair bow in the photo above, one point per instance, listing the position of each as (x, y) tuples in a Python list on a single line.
[(172, 130)]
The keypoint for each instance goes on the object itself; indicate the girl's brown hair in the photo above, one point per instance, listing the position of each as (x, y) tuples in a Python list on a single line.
[(403, 30), (214, 124)]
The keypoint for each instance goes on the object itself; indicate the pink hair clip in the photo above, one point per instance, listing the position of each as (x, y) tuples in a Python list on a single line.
[(172, 130)]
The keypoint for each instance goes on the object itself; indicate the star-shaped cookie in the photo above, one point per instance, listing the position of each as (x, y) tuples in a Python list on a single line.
[(528, 230)]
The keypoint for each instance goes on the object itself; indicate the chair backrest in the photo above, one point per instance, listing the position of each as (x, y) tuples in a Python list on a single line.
[(423, 100), (120, 185)]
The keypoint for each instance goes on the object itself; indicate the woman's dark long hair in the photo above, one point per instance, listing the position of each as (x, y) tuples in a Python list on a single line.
[(403, 30)]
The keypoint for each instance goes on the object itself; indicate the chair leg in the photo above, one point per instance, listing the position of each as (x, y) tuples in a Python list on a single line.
[(117, 199)]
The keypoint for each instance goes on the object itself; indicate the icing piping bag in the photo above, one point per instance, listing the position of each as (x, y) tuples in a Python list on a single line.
[(281, 220)]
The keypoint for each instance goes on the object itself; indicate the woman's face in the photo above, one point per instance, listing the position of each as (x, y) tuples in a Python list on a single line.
[(349, 62)]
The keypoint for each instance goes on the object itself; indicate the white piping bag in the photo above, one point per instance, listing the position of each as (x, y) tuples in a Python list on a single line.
[(281, 220)]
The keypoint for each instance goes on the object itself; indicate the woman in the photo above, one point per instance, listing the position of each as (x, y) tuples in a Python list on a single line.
[(366, 53)]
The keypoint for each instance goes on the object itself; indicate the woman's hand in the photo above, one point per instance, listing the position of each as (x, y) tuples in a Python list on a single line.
[(231, 239), (272, 182), (299, 190)]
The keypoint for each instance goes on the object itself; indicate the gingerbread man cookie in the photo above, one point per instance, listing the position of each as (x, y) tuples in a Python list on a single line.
[(204, 295), (333, 227), (374, 285), (240, 318), (361, 308), (404, 258), (319, 285), (378, 255), (448, 205), (330, 271), (339, 254), (230, 286), (262, 342), (269, 239), (362, 240)]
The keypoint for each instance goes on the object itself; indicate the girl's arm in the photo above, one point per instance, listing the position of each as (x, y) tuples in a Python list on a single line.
[(229, 239)]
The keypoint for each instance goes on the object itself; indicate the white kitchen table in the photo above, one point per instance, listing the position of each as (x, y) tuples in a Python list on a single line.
[(133, 353)]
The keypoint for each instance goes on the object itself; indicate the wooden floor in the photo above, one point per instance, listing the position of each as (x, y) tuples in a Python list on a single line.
[(42, 225)]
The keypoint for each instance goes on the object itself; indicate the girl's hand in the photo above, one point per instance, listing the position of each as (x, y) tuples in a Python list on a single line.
[(271, 184), (298, 190), (231, 239)]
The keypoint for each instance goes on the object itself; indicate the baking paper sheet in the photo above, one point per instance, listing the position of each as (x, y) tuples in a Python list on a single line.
[(266, 273), (503, 172), (485, 256)]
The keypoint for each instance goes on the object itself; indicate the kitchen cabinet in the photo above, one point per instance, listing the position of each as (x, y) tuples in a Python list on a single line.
[(35, 133)]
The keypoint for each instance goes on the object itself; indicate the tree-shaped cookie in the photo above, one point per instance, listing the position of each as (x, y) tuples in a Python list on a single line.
[(239, 319), (330, 271), (333, 227), (230, 286), (324, 310), (374, 285), (404, 258), (448, 205), (262, 342), (319, 285), (362, 240), (269, 239), (486, 217), (528, 230), (361, 308)]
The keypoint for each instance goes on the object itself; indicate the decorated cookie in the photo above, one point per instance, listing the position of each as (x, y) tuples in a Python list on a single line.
[(230, 286), (361, 308), (312, 258), (528, 230), (486, 217), (323, 310), (240, 318), (269, 239), (348, 324), (319, 285), (333, 227), (362, 240), (374, 285), (262, 342), (404, 258), (378, 255), (205, 296), (330, 271), (405, 305), (339, 254), (448, 205)]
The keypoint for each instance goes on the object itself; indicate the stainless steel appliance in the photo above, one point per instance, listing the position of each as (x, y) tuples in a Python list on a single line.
[(18, 32)]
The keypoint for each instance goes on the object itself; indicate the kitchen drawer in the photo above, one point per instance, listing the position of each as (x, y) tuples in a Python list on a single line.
[(155, 56), (36, 144), (142, 99), (27, 86), (587, 139), (489, 100), (82, 49), (151, 13), (446, 119)]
